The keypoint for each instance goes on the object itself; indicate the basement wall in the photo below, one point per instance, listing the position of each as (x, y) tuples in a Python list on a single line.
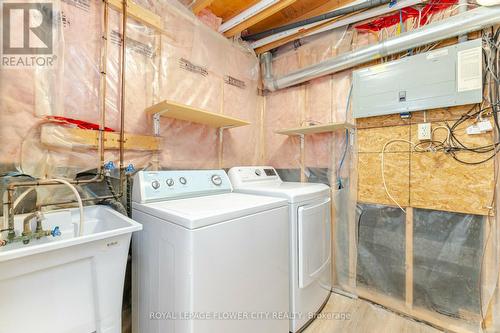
[(153, 74), (438, 260)]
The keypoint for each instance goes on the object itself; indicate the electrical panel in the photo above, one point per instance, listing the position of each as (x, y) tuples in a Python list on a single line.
[(440, 78)]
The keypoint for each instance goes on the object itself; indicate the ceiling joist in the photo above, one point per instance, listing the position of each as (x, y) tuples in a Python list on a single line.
[(258, 17), (325, 8), (300, 34), (299, 11), (199, 5)]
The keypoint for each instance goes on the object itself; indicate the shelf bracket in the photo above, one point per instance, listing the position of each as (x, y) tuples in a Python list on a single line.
[(156, 123), (221, 145), (302, 158)]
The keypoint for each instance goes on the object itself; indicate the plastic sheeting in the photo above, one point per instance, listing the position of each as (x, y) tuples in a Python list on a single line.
[(153, 73), (448, 250), (369, 240), (381, 249)]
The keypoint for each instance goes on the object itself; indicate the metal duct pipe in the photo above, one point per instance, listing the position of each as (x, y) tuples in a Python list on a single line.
[(339, 12), (469, 21), (267, 68), (462, 8)]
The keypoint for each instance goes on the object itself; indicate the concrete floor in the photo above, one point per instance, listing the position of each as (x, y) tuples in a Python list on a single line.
[(363, 317), (346, 315)]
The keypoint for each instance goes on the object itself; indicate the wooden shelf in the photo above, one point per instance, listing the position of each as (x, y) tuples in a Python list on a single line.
[(315, 129), (188, 113), (77, 138)]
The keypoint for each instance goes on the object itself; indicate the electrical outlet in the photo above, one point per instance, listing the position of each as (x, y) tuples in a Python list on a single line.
[(424, 132)]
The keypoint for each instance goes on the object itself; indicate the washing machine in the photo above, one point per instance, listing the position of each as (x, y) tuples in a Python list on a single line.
[(208, 260), (310, 238)]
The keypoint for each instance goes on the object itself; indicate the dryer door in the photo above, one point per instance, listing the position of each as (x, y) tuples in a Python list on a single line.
[(313, 241)]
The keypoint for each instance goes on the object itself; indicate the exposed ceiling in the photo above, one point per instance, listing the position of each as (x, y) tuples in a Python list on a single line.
[(299, 10), (280, 13)]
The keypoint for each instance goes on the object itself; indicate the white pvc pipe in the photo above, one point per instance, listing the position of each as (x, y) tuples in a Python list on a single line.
[(488, 2), (245, 15)]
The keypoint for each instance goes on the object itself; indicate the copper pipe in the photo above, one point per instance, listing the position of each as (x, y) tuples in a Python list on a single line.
[(75, 201), (123, 54), (100, 176), (103, 90)]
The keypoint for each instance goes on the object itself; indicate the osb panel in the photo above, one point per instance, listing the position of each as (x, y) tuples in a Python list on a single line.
[(381, 121), (370, 185), (372, 140), (473, 141), (439, 182), (450, 113)]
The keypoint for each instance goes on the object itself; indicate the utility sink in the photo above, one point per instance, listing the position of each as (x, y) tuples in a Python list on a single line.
[(67, 283)]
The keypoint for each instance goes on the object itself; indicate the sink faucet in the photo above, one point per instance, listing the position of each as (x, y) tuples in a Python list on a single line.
[(38, 215), (11, 236), (28, 234)]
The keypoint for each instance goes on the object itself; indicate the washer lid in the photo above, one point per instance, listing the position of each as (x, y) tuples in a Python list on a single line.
[(197, 212), (292, 191)]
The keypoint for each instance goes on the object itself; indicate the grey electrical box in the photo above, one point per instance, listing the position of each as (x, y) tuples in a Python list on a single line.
[(440, 78)]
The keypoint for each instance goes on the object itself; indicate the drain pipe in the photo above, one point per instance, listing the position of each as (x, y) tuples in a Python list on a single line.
[(473, 20)]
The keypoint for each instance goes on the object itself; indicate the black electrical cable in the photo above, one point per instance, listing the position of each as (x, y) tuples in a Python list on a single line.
[(339, 12), (454, 144), (5, 175), (129, 196), (111, 189)]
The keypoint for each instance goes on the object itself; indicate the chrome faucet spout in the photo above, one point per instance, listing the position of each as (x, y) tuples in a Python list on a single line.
[(38, 215)]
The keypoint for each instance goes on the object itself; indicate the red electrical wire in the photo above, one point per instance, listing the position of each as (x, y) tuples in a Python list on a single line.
[(406, 13), (79, 123)]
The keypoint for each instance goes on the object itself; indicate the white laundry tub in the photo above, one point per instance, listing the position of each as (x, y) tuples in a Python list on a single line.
[(68, 283)]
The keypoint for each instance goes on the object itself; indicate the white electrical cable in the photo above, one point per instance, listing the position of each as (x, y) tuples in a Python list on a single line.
[(382, 169), (447, 129), (78, 198), (488, 2)]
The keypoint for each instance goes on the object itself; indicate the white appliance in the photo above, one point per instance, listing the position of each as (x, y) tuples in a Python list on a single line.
[(310, 244), (68, 283), (208, 260)]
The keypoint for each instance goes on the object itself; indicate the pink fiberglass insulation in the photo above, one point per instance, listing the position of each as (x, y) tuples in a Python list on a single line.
[(242, 144), (153, 73), (319, 101), (210, 19), (211, 58), (283, 109)]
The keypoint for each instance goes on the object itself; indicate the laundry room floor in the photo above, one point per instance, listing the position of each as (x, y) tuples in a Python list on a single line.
[(364, 317)]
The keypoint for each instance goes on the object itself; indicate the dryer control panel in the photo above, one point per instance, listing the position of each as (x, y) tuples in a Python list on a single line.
[(151, 186), (253, 174)]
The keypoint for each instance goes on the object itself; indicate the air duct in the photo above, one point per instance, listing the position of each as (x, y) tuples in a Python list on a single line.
[(469, 21)]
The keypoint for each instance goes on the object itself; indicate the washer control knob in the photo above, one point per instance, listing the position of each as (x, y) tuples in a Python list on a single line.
[(258, 172), (155, 184), (217, 180), (182, 180), (170, 182)]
